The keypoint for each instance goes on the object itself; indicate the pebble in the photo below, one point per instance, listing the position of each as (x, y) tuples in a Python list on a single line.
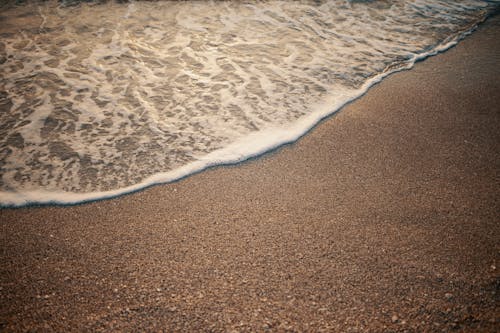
[(448, 296), (394, 319)]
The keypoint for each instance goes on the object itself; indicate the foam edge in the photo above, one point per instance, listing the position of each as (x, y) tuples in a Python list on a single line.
[(248, 147)]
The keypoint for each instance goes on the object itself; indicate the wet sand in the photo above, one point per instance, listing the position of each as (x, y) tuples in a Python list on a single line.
[(384, 218)]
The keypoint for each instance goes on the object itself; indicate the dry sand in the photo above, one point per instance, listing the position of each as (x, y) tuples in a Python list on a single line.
[(384, 218)]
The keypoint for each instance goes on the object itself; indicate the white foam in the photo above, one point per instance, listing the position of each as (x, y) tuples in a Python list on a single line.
[(113, 98), (250, 146)]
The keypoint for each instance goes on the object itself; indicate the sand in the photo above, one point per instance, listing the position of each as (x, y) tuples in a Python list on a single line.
[(384, 218)]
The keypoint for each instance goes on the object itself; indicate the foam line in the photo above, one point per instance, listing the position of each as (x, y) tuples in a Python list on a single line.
[(250, 146)]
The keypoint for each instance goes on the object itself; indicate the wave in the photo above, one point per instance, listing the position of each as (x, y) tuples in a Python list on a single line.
[(270, 98)]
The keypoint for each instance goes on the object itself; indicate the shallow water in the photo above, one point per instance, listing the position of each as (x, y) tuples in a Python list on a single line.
[(112, 97)]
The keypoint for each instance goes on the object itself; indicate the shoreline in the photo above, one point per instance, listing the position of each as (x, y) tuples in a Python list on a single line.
[(384, 217), (236, 153)]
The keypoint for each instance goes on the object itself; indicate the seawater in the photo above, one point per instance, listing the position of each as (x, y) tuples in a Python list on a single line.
[(100, 99)]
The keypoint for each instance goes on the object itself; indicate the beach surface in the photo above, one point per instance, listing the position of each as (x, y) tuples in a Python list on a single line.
[(384, 218)]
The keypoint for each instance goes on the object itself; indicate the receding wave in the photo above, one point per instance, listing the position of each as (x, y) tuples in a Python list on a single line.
[(99, 99)]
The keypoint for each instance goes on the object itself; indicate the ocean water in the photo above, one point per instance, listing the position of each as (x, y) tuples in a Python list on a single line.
[(100, 99)]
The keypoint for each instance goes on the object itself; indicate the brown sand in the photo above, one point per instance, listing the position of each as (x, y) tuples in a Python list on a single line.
[(384, 218)]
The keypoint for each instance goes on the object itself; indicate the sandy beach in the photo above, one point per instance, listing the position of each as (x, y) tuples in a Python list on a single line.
[(384, 218)]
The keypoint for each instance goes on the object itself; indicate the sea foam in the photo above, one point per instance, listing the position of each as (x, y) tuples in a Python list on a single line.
[(102, 100)]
